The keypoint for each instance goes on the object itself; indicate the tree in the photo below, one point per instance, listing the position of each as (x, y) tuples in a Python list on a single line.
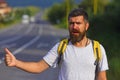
[(94, 6)]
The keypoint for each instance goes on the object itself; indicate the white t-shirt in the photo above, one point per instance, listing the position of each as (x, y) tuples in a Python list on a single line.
[(77, 63)]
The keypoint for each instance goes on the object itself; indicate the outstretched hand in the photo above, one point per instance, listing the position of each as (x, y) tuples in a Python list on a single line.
[(10, 59)]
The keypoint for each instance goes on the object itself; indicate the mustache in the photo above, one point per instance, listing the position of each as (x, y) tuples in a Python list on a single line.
[(75, 31)]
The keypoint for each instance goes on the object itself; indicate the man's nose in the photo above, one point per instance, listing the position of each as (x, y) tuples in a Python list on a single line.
[(74, 25)]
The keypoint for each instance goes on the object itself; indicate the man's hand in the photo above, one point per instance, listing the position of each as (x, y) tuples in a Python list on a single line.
[(33, 67), (10, 59)]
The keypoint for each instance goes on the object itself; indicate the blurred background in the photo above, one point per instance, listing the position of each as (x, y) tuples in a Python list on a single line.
[(17, 18)]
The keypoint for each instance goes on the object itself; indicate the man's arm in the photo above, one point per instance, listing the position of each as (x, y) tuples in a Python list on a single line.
[(102, 75), (33, 67)]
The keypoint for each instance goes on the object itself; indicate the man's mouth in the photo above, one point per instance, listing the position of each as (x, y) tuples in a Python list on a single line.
[(75, 31)]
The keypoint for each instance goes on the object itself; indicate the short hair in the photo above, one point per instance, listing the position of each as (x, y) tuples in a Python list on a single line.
[(78, 12)]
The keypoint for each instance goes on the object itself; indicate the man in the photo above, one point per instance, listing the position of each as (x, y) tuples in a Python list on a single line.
[(78, 59)]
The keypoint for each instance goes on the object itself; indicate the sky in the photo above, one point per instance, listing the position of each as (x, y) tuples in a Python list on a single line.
[(39, 3)]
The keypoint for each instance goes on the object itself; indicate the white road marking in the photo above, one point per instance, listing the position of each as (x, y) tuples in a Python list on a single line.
[(30, 42), (27, 44), (16, 38)]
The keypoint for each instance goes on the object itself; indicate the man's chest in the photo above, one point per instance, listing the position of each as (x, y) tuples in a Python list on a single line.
[(79, 58)]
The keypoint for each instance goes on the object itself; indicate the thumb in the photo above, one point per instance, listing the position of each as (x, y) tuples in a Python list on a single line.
[(8, 52)]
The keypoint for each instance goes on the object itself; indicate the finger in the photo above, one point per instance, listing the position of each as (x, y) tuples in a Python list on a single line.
[(7, 51), (8, 59), (8, 63)]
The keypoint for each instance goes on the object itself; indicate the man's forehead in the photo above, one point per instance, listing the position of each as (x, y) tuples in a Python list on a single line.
[(76, 18)]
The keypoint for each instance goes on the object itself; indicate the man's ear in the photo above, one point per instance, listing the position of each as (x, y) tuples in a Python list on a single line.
[(87, 26)]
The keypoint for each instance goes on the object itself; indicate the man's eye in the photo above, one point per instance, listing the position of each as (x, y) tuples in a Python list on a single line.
[(78, 23), (71, 23)]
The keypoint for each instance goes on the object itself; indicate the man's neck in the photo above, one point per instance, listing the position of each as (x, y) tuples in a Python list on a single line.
[(82, 43)]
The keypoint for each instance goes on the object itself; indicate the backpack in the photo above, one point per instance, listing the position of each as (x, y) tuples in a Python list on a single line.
[(96, 49)]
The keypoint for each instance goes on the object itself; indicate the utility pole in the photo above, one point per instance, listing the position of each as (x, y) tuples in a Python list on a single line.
[(95, 6), (67, 10)]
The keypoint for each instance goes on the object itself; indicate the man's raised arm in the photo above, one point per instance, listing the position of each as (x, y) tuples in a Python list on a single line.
[(33, 67)]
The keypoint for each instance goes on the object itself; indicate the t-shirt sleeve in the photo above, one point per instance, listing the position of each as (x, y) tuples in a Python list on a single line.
[(103, 64), (51, 57)]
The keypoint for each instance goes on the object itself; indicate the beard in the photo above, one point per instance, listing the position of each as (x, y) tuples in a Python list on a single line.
[(77, 37)]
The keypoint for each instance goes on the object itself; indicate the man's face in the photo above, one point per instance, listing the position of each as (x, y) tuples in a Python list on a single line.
[(77, 28)]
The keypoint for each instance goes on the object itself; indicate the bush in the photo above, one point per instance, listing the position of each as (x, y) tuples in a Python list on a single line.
[(114, 72), (105, 28), (56, 13), (16, 15)]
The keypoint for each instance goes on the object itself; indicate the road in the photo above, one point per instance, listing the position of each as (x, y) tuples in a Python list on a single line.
[(29, 42)]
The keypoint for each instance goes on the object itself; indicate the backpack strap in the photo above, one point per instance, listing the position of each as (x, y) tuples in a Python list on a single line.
[(61, 48), (97, 51), (97, 55)]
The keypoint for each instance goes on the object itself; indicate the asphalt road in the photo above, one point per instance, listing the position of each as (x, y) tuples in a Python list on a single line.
[(29, 42)]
